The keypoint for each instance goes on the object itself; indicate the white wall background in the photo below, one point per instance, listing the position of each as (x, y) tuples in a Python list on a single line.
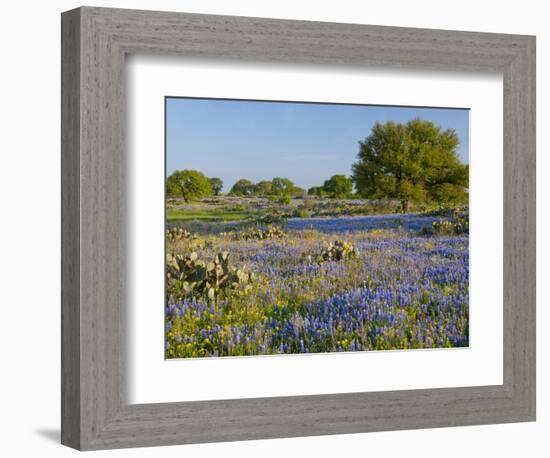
[(30, 227)]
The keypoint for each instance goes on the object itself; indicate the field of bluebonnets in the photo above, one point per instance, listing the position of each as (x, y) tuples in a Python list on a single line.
[(313, 276)]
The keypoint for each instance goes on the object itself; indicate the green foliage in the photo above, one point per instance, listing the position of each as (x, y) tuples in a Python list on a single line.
[(263, 188), (242, 187), (298, 192), (189, 276), (449, 194), (282, 186), (216, 184), (316, 191), (272, 189), (283, 200), (189, 184), (415, 162), (303, 213), (338, 186), (279, 186)]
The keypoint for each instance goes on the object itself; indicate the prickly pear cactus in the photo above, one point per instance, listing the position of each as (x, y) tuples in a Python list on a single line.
[(271, 232), (456, 224), (176, 234), (191, 276), (339, 250)]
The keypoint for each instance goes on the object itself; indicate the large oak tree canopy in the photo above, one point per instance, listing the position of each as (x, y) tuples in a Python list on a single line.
[(414, 162)]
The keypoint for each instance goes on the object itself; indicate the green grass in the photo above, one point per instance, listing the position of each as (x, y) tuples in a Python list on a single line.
[(208, 214)]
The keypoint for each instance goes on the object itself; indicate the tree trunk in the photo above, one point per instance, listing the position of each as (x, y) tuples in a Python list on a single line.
[(404, 206)]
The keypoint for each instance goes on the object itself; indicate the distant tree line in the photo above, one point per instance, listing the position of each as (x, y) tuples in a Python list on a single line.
[(337, 186), (416, 162), (192, 184), (277, 187)]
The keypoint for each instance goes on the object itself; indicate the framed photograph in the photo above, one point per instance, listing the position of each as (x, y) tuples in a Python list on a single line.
[(277, 228)]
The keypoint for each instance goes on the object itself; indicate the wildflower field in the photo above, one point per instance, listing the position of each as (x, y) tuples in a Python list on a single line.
[(278, 284)]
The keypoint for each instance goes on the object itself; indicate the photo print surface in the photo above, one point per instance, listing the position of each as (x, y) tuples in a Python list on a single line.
[(297, 228)]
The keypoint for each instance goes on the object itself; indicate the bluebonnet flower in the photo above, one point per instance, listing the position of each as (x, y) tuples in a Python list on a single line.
[(403, 291)]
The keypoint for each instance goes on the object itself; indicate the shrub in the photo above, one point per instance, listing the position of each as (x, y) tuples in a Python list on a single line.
[(283, 200), (303, 213)]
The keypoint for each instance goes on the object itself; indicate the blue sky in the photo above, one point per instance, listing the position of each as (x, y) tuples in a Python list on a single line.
[(305, 142)]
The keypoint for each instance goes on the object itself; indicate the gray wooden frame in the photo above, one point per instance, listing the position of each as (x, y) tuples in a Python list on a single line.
[(95, 413)]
